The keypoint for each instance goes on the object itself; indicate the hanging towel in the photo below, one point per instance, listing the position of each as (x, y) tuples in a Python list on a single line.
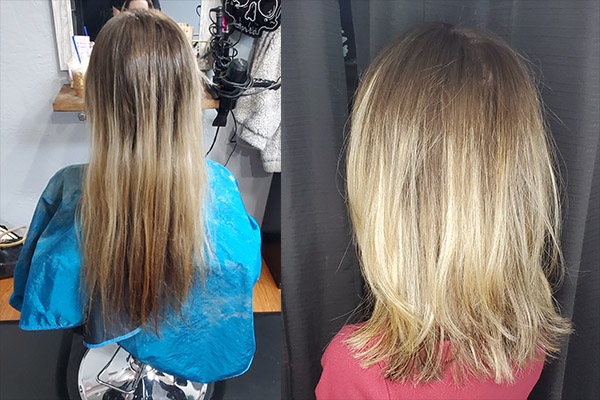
[(259, 115), (271, 154)]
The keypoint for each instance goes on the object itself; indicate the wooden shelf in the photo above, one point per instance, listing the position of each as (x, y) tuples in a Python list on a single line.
[(67, 100)]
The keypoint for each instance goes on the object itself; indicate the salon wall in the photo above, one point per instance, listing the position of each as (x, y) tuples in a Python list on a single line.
[(182, 11), (35, 142)]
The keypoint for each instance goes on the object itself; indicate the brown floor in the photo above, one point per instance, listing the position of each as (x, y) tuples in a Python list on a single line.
[(267, 296), (7, 313)]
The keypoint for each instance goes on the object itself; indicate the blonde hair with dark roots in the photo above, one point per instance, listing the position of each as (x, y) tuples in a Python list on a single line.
[(453, 197), (143, 191)]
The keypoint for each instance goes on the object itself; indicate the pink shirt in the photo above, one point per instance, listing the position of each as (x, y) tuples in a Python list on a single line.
[(344, 379)]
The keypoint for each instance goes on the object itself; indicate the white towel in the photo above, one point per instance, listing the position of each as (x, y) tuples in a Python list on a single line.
[(271, 154), (259, 115)]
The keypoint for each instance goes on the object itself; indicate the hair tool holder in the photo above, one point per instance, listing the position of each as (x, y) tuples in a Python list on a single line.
[(231, 79)]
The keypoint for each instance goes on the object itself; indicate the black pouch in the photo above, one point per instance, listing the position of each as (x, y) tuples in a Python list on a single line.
[(8, 260), (9, 251)]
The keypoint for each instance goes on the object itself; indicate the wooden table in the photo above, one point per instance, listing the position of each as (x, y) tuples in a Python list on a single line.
[(66, 100), (267, 296)]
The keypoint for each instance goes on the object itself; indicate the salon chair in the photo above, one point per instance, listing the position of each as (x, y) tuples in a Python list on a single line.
[(110, 372)]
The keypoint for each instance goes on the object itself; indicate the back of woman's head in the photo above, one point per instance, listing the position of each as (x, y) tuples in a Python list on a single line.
[(453, 197), (137, 4), (141, 209)]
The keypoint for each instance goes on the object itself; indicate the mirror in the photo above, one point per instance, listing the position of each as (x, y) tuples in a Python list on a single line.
[(71, 16)]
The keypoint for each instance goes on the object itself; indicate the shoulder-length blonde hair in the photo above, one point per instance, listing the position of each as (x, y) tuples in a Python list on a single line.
[(143, 191), (453, 197)]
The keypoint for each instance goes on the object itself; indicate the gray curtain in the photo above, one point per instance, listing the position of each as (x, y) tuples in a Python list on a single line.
[(322, 283)]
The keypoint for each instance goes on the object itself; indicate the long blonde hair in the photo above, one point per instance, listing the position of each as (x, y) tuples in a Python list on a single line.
[(142, 200), (453, 197)]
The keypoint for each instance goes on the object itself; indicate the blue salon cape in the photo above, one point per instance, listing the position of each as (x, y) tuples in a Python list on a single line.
[(215, 339)]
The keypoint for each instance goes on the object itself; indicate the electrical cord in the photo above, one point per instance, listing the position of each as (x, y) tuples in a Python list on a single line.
[(198, 8), (241, 89), (14, 239), (221, 48), (232, 139), (235, 143), (213, 142), (223, 52)]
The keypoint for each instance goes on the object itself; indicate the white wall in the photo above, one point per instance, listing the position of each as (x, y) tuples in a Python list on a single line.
[(35, 142), (182, 11)]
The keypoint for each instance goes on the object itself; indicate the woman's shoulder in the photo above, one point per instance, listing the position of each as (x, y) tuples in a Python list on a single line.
[(64, 187), (343, 377), (338, 356), (67, 179), (224, 200), (70, 172), (219, 174), (233, 235), (338, 350)]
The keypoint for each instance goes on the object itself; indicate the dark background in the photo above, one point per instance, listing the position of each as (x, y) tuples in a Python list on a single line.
[(321, 279), (40, 363)]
